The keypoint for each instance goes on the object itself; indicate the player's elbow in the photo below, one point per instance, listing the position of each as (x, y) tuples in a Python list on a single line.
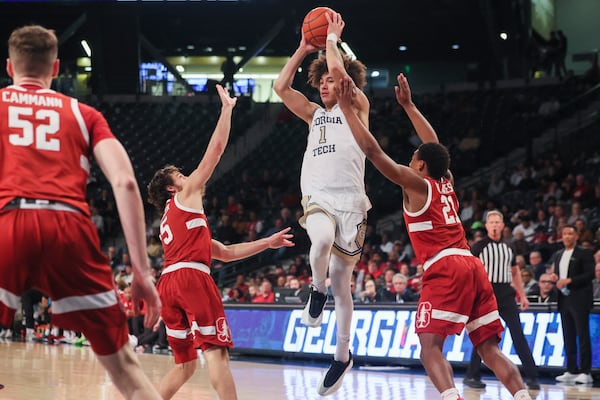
[(372, 151), (124, 182), (280, 87), (337, 70)]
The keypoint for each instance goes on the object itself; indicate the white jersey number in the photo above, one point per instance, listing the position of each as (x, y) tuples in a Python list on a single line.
[(47, 123), (166, 235), (449, 210)]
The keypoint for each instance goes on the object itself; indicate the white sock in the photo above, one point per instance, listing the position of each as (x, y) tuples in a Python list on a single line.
[(340, 273), (450, 394), (522, 394)]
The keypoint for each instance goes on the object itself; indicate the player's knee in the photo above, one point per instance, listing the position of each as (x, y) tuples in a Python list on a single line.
[(188, 368)]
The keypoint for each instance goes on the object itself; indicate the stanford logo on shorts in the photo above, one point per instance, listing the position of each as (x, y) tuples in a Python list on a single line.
[(223, 333), (423, 314)]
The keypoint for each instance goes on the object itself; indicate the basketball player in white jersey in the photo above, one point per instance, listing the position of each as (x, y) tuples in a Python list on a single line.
[(333, 190)]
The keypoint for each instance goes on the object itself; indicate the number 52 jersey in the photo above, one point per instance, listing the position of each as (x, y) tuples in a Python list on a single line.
[(46, 142)]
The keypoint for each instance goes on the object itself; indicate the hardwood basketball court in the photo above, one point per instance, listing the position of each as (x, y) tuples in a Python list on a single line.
[(50, 372)]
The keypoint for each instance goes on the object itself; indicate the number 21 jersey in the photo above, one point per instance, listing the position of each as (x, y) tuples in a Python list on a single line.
[(436, 226)]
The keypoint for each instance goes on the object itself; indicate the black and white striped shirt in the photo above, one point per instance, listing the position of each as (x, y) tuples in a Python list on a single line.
[(498, 258)]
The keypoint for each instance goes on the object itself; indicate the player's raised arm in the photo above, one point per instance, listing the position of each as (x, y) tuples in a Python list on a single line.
[(395, 172), (403, 95), (216, 146), (297, 102), (336, 65)]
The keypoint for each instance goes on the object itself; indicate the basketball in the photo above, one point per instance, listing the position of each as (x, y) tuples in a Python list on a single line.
[(314, 26)]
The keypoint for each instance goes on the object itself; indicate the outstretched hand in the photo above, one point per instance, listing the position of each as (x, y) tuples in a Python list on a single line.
[(403, 95), (225, 99), (336, 24), (345, 93), (142, 288), (281, 239)]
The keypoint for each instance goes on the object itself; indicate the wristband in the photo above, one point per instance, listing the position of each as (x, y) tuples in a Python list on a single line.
[(333, 37)]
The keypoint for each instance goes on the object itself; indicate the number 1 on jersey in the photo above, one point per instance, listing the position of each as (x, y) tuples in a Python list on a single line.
[(322, 137)]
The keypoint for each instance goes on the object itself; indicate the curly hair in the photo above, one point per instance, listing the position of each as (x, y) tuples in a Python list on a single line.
[(355, 68), (157, 188), (437, 158)]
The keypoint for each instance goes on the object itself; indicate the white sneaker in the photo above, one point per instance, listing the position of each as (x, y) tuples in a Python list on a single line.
[(133, 341), (29, 335), (566, 377), (584, 378)]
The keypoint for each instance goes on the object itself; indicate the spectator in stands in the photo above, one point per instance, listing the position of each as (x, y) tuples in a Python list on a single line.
[(113, 258), (530, 285), (254, 227), (154, 250), (525, 227), (126, 275), (520, 245), (371, 293), (582, 191), (387, 244), (576, 212), (547, 293), (388, 276), (98, 221), (596, 281), (401, 293), (241, 286), (584, 233), (372, 237), (496, 186), (274, 256), (536, 264), (265, 294), (125, 260)]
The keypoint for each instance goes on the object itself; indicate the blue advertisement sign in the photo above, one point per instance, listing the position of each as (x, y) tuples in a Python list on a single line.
[(388, 333)]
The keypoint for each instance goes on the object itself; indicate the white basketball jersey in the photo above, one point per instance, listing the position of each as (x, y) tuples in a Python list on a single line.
[(333, 168)]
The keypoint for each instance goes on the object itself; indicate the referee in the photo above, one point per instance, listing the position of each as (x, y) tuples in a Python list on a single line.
[(499, 261)]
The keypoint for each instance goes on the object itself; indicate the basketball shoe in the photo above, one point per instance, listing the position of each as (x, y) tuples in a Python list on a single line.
[(313, 312), (566, 377), (332, 380)]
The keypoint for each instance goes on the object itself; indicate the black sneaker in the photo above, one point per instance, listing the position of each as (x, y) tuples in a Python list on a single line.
[(474, 383), (332, 380), (313, 312)]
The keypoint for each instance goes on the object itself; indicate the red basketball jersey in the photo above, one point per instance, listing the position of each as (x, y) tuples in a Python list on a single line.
[(436, 226), (185, 234), (46, 142)]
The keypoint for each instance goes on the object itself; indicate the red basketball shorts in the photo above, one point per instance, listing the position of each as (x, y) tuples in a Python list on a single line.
[(193, 313), (457, 293), (58, 252)]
